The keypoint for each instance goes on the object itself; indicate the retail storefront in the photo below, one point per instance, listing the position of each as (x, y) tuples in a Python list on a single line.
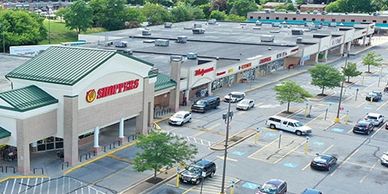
[(67, 95)]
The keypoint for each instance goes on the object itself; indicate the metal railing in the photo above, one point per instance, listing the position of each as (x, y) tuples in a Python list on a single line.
[(159, 112)]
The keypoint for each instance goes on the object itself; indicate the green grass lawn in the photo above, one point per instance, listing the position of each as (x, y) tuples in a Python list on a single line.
[(59, 33)]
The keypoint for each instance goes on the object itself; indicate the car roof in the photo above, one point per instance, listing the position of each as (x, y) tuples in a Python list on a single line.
[(284, 118), (203, 162), (182, 112), (238, 93), (209, 98), (276, 182), (374, 114), (363, 122), (324, 156)]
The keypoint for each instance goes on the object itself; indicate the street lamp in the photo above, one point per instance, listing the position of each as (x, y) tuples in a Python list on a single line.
[(227, 118), (337, 119)]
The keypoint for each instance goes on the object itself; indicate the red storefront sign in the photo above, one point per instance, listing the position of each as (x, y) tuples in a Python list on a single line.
[(91, 95), (202, 72), (221, 73), (245, 66), (265, 60)]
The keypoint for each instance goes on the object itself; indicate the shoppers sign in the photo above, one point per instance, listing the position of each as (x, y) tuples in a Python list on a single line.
[(92, 94), (202, 72)]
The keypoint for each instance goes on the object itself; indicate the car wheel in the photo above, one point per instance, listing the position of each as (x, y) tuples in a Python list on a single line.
[(211, 174), (299, 133), (190, 120), (198, 181), (369, 132), (272, 126)]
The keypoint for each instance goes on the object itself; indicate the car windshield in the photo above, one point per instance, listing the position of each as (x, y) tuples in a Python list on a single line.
[(245, 102), (178, 116), (237, 95), (268, 188), (362, 124), (298, 124), (321, 159), (193, 169), (371, 117), (200, 102)]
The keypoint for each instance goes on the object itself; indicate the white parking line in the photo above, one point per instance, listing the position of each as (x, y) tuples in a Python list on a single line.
[(332, 174), (254, 153), (20, 185), (227, 158), (381, 106), (382, 126), (13, 185), (288, 153), (36, 182), (5, 188), (374, 165)]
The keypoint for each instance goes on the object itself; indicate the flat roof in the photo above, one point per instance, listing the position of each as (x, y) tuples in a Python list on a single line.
[(7, 64), (382, 14)]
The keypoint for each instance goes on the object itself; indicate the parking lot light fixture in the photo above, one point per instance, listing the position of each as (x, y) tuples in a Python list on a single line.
[(227, 118)]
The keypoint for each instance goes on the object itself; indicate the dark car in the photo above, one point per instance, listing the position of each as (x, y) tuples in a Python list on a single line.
[(311, 191), (194, 173), (323, 162), (273, 186), (363, 127), (374, 96), (205, 104)]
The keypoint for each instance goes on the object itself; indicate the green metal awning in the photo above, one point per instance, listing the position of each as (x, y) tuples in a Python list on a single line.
[(4, 133), (163, 82)]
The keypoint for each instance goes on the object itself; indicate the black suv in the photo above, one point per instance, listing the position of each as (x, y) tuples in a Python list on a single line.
[(205, 104), (193, 173)]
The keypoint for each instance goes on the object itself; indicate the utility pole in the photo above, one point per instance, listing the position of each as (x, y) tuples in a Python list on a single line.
[(337, 119), (227, 118)]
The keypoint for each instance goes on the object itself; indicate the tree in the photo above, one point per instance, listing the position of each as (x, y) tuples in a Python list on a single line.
[(21, 28), (289, 91), (156, 14), (60, 13), (160, 150), (218, 15), (99, 8), (134, 18), (220, 5), (181, 12), (198, 13), (325, 76), (380, 4), (114, 15), (79, 16), (372, 59), (350, 71), (242, 7), (206, 9), (166, 3), (235, 18), (352, 6), (135, 2)]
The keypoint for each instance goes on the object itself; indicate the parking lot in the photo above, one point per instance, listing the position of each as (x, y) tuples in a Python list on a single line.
[(266, 155)]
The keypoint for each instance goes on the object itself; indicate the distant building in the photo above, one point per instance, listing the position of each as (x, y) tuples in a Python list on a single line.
[(272, 5), (312, 7)]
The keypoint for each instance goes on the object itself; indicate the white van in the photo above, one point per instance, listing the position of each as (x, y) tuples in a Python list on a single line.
[(286, 124)]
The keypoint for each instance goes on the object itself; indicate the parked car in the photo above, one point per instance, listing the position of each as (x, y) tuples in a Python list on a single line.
[(386, 126), (364, 127), (375, 118), (245, 104), (286, 124), (234, 97), (323, 162), (194, 172), (273, 186), (311, 191), (384, 159), (374, 96), (205, 104), (180, 118)]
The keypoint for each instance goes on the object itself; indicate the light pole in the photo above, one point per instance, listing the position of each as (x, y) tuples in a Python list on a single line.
[(227, 118), (337, 119)]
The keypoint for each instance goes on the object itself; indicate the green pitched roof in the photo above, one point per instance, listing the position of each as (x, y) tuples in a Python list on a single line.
[(163, 81), (61, 65), (27, 98), (4, 133)]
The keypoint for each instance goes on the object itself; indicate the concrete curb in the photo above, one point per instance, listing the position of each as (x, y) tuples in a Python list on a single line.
[(158, 184), (233, 144)]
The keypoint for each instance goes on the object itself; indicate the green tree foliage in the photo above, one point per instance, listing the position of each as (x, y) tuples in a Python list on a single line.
[(185, 12), (350, 71), (352, 6), (156, 14), (79, 16), (242, 7), (99, 9), (325, 76), (114, 15), (372, 59), (134, 18), (206, 9), (220, 5), (160, 150), (218, 15), (136, 2), (21, 28), (167, 3), (289, 91), (200, 2), (198, 13), (235, 18), (380, 4)]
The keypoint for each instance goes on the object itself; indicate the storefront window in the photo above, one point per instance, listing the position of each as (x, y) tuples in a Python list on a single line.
[(50, 143)]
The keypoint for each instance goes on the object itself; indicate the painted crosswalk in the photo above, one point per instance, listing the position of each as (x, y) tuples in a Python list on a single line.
[(191, 139), (41, 185), (211, 185)]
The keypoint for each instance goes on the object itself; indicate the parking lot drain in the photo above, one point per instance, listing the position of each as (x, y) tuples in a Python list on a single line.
[(249, 185)]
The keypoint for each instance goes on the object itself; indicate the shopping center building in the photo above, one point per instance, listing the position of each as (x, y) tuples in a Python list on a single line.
[(67, 96)]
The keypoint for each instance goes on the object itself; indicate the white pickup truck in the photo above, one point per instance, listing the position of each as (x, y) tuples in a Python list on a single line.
[(286, 124)]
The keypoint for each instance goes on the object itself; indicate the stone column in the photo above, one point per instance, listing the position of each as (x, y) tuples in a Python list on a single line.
[(121, 130), (342, 49), (23, 149), (96, 145), (145, 118), (70, 129), (316, 57), (175, 74), (325, 55), (370, 40), (348, 47), (209, 88), (363, 40)]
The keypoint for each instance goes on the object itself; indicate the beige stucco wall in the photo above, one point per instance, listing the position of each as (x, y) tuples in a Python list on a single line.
[(38, 127)]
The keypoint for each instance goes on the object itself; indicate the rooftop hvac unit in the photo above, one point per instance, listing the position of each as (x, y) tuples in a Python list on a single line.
[(197, 25), (187, 28), (176, 58), (191, 56), (109, 43), (128, 51), (198, 31), (146, 32), (274, 31), (120, 44), (332, 24), (148, 41), (167, 25), (181, 39), (297, 32), (275, 24), (299, 40), (212, 21), (162, 42), (267, 38), (258, 23)]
